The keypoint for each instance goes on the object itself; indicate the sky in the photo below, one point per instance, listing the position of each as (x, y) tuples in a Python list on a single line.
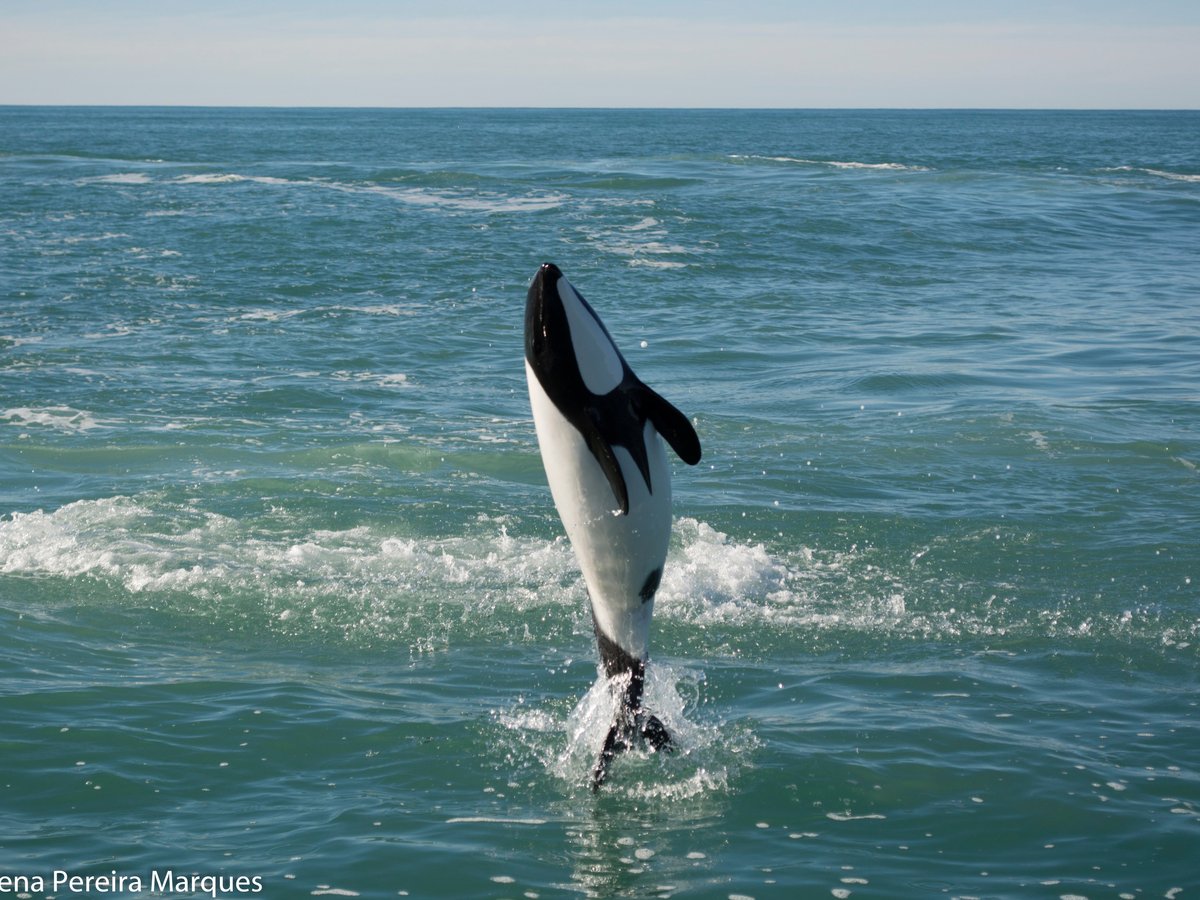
[(619, 53)]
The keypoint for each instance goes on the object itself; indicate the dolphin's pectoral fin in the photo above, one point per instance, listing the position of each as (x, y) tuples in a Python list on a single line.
[(671, 424), (603, 452)]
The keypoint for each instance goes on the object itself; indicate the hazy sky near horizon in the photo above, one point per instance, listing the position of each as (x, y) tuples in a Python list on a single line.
[(689, 53)]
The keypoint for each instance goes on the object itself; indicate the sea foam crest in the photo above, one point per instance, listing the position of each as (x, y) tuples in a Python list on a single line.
[(368, 580), (148, 543), (1158, 173), (833, 163), (488, 202), (377, 583), (117, 178), (361, 583), (710, 577), (58, 418)]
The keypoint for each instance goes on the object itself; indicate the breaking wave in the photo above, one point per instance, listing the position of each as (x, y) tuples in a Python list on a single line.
[(373, 583), (832, 163), (458, 200)]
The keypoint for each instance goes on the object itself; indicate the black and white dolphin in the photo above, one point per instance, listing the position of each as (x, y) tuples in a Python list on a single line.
[(598, 428)]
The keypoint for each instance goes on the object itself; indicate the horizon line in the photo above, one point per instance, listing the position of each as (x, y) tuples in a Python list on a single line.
[(595, 108)]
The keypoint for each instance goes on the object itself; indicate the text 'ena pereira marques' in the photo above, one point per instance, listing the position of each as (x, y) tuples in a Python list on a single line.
[(158, 881)]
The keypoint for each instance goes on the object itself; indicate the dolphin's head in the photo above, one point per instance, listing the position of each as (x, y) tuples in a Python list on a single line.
[(545, 321), (565, 341)]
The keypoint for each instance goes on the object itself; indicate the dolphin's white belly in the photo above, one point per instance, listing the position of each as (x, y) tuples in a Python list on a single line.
[(617, 553)]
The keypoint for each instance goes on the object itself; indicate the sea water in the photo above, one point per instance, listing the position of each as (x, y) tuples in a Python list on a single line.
[(283, 594)]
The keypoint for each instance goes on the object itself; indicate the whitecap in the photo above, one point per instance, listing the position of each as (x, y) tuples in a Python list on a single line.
[(493, 820), (485, 202), (14, 341), (59, 418), (387, 380), (642, 243), (86, 238), (210, 178), (656, 263), (835, 164), (882, 167), (647, 222), (117, 178), (378, 309), (395, 379), (489, 202), (1157, 173), (712, 578), (266, 315), (147, 545)]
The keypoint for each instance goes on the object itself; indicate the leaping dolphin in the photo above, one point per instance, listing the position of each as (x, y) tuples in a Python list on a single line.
[(598, 428)]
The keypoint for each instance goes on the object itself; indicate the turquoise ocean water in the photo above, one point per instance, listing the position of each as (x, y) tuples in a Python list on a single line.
[(283, 594)]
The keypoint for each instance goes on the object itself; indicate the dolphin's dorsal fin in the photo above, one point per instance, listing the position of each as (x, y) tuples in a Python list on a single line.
[(671, 424)]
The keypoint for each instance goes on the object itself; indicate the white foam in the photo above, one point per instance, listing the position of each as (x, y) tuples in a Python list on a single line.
[(1157, 173), (483, 201), (1173, 176), (58, 418), (378, 583), (86, 238), (882, 167), (643, 243), (702, 765), (490, 202), (389, 380), (835, 164), (14, 341), (210, 178), (117, 178), (711, 578), (493, 820), (647, 222), (378, 309), (267, 315), (115, 330), (656, 263), (395, 379), (148, 546)]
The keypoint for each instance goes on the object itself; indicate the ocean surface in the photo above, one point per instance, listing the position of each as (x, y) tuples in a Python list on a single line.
[(284, 596)]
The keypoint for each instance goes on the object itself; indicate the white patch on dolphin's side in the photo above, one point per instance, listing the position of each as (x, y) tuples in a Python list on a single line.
[(598, 360)]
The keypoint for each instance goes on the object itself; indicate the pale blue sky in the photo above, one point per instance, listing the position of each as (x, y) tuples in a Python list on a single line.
[(740, 53)]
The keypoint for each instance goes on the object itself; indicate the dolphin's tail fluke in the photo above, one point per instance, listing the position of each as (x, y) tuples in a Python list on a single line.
[(633, 726)]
